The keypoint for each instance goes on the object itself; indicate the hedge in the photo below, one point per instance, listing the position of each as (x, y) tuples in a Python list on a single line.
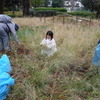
[(6, 9), (58, 13), (50, 8), (45, 13), (12, 15), (83, 14)]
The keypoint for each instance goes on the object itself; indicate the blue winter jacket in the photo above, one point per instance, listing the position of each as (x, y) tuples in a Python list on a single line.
[(5, 79), (96, 58)]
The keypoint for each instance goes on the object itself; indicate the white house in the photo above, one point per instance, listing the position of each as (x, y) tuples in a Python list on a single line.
[(70, 4)]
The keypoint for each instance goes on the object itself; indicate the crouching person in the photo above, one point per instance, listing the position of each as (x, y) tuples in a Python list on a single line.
[(5, 79), (7, 27), (48, 44)]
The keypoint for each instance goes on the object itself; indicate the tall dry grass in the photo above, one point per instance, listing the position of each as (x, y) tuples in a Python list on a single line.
[(56, 77)]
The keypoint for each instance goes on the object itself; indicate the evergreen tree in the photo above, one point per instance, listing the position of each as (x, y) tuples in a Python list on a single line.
[(57, 3), (37, 3), (10, 4), (93, 5), (46, 3)]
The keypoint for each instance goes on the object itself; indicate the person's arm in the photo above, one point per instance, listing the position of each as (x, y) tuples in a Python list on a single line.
[(43, 42), (11, 81), (12, 29), (52, 44), (7, 80)]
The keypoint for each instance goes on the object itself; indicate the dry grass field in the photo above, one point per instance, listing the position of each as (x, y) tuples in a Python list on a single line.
[(68, 74)]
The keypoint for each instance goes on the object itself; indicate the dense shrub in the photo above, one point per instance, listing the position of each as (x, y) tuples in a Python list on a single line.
[(83, 14), (45, 13), (19, 15), (12, 15), (16, 13), (17, 9), (58, 13), (50, 8), (6, 9)]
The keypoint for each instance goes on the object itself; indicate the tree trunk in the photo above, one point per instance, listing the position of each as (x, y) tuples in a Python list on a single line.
[(98, 13), (26, 6), (13, 9), (1, 6)]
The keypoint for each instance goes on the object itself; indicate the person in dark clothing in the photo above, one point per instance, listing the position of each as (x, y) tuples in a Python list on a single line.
[(6, 27), (99, 41)]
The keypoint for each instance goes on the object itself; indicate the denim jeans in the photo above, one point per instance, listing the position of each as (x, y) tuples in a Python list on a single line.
[(4, 40)]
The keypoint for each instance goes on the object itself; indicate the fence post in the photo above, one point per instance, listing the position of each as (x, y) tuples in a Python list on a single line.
[(99, 20), (63, 20), (90, 22), (40, 18), (44, 18), (53, 18), (76, 19)]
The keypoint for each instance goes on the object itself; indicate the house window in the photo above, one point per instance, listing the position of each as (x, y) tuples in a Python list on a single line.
[(67, 2)]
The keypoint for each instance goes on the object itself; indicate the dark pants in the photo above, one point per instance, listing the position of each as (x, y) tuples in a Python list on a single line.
[(4, 40)]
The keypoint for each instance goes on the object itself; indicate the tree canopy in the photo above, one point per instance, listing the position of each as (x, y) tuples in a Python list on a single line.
[(37, 3), (92, 5), (46, 3), (57, 3), (9, 3)]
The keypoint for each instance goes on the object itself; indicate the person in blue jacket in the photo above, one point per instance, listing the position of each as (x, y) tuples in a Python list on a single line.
[(5, 79), (96, 58)]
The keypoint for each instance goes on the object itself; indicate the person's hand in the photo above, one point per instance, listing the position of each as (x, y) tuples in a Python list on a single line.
[(43, 45), (19, 43)]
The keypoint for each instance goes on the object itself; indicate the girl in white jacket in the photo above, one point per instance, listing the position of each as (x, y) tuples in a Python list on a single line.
[(48, 44)]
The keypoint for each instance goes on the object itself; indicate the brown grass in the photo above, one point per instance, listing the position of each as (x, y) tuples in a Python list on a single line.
[(59, 76)]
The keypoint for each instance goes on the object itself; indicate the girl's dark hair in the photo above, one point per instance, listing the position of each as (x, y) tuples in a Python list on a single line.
[(50, 33)]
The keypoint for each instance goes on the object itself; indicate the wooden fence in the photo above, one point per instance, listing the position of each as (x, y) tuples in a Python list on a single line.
[(66, 16)]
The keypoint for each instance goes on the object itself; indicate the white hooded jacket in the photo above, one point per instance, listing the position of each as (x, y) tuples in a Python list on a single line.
[(49, 46)]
